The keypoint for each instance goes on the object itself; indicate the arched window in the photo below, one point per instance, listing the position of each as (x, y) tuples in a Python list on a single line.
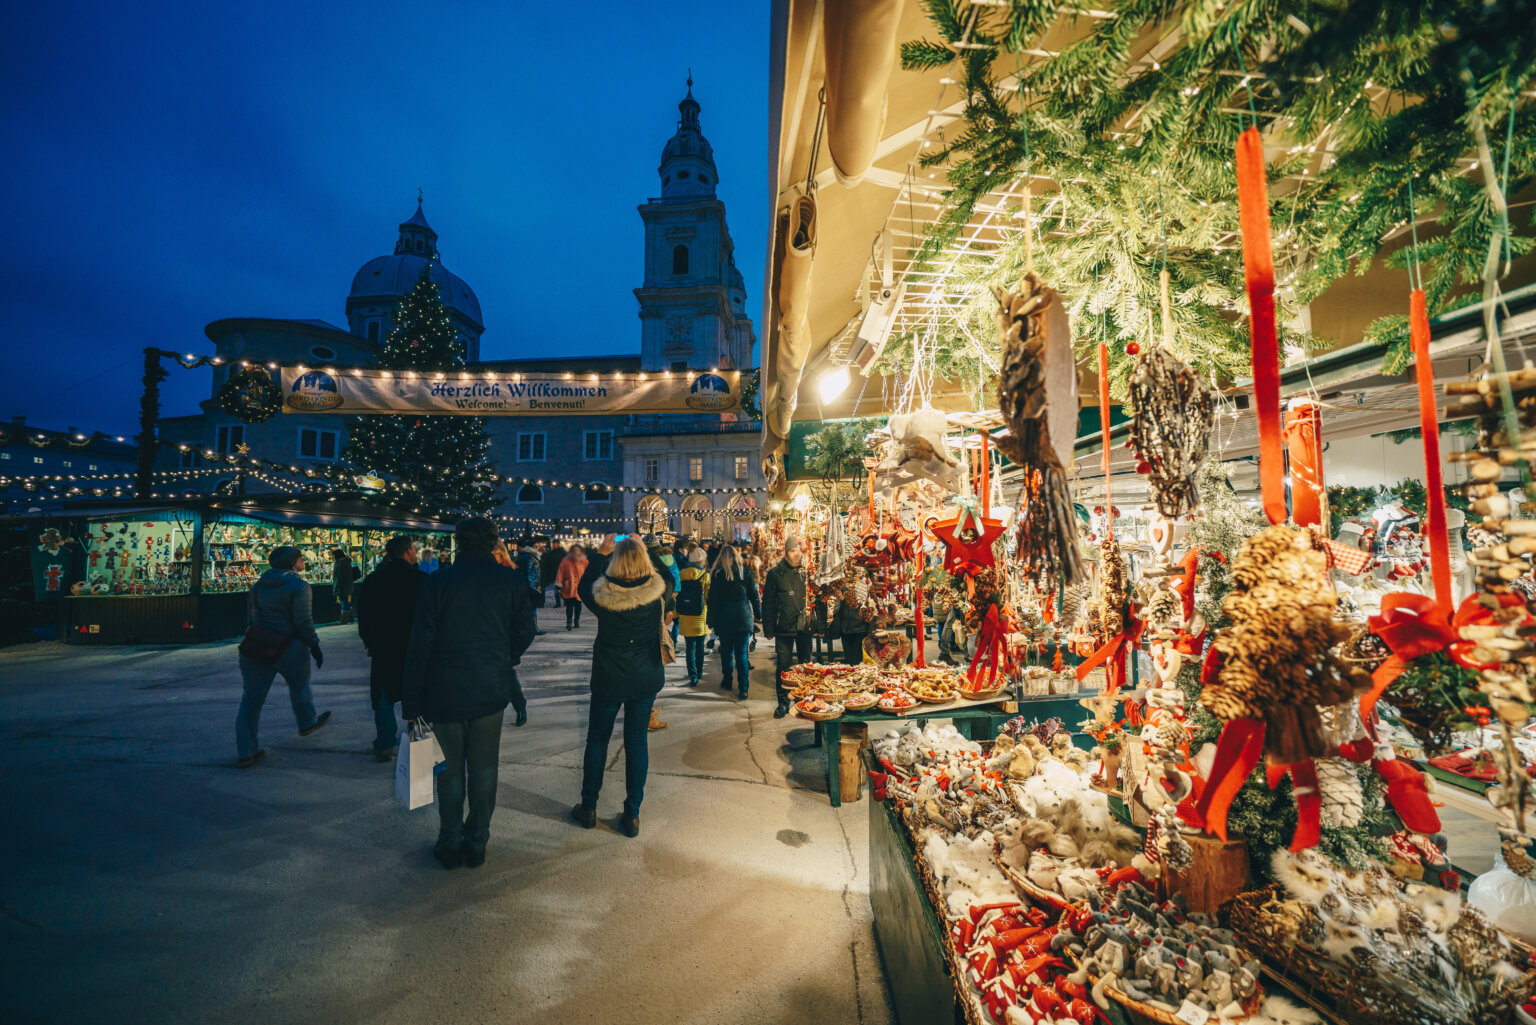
[(530, 494), (679, 259), (698, 516), (651, 514), (595, 493)]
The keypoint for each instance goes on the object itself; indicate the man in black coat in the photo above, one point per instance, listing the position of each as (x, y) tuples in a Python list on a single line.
[(386, 608), (784, 618), (473, 622)]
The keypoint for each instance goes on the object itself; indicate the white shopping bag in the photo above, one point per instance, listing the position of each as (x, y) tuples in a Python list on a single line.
[(419, 753)]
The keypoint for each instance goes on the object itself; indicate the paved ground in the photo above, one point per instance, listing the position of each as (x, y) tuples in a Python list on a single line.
[(145, 879)]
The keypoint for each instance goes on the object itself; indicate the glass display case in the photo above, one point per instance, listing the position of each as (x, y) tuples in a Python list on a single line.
[(141, 555)]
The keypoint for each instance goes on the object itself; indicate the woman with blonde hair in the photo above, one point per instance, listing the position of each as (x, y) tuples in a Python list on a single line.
[(624, 592), (733, 605)]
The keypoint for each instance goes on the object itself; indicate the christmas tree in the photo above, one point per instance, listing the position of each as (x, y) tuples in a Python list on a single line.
[(441, 458)]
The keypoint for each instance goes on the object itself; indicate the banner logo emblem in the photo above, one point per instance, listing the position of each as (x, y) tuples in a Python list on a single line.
[(314, 390)]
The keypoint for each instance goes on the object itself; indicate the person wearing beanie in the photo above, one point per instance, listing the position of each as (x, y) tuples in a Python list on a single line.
[(474, 620), (692, 612), (281, 640)]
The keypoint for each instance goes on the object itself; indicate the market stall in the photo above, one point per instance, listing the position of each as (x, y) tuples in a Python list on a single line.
[(181, 571), (1093, 394)]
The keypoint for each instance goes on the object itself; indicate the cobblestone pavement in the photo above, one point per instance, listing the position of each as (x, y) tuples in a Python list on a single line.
[(146, 879)]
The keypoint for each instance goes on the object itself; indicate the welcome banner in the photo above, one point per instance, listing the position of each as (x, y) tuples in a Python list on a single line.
[(307, 390)]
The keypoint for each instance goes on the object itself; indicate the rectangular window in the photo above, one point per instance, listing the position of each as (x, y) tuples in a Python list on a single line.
[(530, 447), (5, 455), (37, 459), (652, 471), (695, 467), (229, 438), (318, 443), (68, 463), (189, 459), (373, 330), (92, 466), (597, 445), (741, 467), (680, 365)]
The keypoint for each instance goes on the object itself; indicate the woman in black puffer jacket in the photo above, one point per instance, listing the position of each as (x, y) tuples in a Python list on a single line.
[(733, 605), (626, 595)]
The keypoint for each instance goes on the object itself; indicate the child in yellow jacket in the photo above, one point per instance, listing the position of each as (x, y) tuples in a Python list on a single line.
[(692, 608)]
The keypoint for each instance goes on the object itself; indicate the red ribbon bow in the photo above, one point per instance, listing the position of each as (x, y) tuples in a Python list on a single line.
[(1413, 625)]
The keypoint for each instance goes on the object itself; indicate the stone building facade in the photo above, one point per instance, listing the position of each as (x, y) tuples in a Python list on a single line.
[(567, 470)]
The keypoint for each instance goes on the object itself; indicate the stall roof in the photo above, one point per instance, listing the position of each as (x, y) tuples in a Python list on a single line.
[(899, 196)]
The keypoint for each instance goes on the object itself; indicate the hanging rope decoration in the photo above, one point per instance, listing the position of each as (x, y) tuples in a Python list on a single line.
[(1173, 415), (1037, 394), (251, 396)]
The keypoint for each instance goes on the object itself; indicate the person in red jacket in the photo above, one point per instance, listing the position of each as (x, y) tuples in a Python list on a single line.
[(567, 580)]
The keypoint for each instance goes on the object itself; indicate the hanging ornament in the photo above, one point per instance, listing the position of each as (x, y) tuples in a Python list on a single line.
[(968, 540), (1173, 414), (1037, 393), (917, 451)]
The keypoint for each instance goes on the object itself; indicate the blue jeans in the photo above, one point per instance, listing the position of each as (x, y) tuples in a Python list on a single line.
[(471, 754), (733, 647), (294, 666), (693, 649), (384, 723), (637, 759)]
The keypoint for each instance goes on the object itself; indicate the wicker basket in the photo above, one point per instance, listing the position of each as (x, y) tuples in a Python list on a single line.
[(1036, 894), (1359, 998), (858, 700), (1162, 1017), (834, 711)]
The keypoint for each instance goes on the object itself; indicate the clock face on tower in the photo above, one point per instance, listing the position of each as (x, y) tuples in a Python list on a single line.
[(679, 327)]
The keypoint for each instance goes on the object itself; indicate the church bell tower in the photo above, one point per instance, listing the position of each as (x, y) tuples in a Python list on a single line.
[(693, 301)]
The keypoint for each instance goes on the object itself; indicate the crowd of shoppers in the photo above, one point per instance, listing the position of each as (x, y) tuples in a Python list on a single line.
[(445, 637)]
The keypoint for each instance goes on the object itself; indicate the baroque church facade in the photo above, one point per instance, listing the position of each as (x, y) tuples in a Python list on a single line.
[(692, 309)]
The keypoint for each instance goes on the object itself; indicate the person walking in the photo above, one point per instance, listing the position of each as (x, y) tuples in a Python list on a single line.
[(567, 580), (519, 702), (692, 612), (473, 623), (854, 611), (527, 562), (281, 639), (733, 605), (343, 582), (549, 567), (784, 619), (624, 591), (386, 608)]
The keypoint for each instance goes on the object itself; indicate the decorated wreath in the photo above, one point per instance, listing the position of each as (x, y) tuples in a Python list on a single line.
[(251, 396)]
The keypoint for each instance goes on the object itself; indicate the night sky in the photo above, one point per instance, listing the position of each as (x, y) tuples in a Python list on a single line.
[(169, 167)]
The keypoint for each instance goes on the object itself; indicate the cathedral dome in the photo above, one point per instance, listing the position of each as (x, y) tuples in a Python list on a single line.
[(390, 277)]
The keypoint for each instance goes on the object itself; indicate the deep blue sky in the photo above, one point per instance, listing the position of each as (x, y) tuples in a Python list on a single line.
[(166, 167)]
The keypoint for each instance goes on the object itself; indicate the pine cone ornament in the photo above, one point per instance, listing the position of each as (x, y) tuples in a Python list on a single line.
[(1037, 394), (1277, 658), (1338, 784)]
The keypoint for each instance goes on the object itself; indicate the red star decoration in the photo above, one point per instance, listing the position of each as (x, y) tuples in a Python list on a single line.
[(968, 557)]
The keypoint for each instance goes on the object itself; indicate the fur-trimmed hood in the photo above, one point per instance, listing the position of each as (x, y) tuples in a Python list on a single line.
[(624, 595)]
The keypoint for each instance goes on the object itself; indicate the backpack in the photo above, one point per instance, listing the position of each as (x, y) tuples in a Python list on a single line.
[(690, 597)]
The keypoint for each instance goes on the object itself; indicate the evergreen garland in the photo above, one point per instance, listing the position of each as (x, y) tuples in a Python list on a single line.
[(1139, 154), (442, 457)]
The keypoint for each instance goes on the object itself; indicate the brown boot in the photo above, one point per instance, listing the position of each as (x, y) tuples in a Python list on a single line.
[(656, 723)]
